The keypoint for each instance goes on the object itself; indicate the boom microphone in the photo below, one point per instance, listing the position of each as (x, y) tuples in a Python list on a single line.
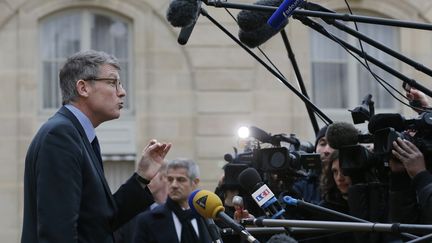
[(209, 205), (251, 181), (182, 13), (340, 134), (186, 31), (254, 29), (249, 20), (257, 37), (285, 10)]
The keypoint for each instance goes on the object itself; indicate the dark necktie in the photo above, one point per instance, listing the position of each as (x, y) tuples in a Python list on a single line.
[(96, 148)]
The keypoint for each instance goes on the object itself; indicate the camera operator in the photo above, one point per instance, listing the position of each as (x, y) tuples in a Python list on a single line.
[(410, 185), (411, 180), (308, 188)]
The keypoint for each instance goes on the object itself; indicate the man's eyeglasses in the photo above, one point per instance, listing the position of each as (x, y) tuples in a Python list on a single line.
[(114, 82)]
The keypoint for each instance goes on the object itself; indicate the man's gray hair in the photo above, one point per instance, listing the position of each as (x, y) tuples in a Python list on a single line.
[(82, 65), (188, 164)]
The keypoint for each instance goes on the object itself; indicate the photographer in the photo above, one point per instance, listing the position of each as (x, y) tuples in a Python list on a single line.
[(410, 185)]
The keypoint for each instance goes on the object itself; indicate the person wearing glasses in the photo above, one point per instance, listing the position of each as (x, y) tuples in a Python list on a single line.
[(66, 195)]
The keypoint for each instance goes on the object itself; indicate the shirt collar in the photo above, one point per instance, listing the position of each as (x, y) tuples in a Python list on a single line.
[(84, 121)]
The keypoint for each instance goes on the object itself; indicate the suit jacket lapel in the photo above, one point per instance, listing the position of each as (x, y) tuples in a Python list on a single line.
[(94, 158), (163, 225)]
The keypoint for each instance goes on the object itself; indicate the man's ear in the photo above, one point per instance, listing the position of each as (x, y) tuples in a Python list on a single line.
[(82, 88), (196, 182)]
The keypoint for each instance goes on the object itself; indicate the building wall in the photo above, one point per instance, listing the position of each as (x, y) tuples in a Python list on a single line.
[(195, 96)]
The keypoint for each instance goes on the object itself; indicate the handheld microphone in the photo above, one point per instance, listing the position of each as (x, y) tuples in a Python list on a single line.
[(212, 228), (182, 13), (251, 181), (341, 134), (285, 10), (209, 205)]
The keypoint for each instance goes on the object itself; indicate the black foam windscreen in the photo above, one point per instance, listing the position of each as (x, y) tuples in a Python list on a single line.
[(340, 134), (249, 178), (257, 37), (254, 29), (249, 20), (182, 13)]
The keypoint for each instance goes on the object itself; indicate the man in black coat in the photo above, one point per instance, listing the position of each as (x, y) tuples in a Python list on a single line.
[(66, 196), (173, 221)]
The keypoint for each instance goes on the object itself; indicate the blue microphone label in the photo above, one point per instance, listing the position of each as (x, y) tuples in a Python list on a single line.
[(262, 195)]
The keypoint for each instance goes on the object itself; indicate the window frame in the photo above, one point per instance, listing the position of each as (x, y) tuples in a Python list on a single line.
[(353, 68), (86, 15)]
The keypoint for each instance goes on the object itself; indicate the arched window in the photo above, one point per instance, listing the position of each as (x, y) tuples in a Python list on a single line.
[(339, 81), (67, 32)]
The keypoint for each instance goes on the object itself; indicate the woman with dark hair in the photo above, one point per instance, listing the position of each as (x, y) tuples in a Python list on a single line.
[(334, 186)]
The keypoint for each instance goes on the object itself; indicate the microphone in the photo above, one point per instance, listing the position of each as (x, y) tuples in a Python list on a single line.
[(285, 10), (251, 181), (249, 20), (363, 112), (214, 231), (260, 134), (381, 121), (209, 205), (212, 228), (254, 29), (182, 13), (341, 134), (257, 37), (186, 31)]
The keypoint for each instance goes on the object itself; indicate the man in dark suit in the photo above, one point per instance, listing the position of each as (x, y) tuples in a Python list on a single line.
[(173, 221), (66, 196)]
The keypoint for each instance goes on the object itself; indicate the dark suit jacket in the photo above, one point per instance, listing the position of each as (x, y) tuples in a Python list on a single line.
[(157, 226), (66, 196)]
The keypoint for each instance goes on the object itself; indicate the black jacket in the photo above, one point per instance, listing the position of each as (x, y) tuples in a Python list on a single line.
[(411, 200), (66, 196)]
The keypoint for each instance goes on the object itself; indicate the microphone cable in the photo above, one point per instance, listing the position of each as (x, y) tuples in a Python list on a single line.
[(272, 63)]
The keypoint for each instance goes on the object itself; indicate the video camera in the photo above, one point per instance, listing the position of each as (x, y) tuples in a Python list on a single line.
[(384, 129), (278, 165)]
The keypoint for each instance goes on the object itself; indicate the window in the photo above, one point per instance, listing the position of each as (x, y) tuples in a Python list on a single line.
[(339, 81), (67, 32)]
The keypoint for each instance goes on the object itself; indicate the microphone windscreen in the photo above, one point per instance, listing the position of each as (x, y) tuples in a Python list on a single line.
[(380, 121), (252, 19), (257, 37), (205, 203), (340, 134), (182, 13), (249, 178), (190, 200)]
